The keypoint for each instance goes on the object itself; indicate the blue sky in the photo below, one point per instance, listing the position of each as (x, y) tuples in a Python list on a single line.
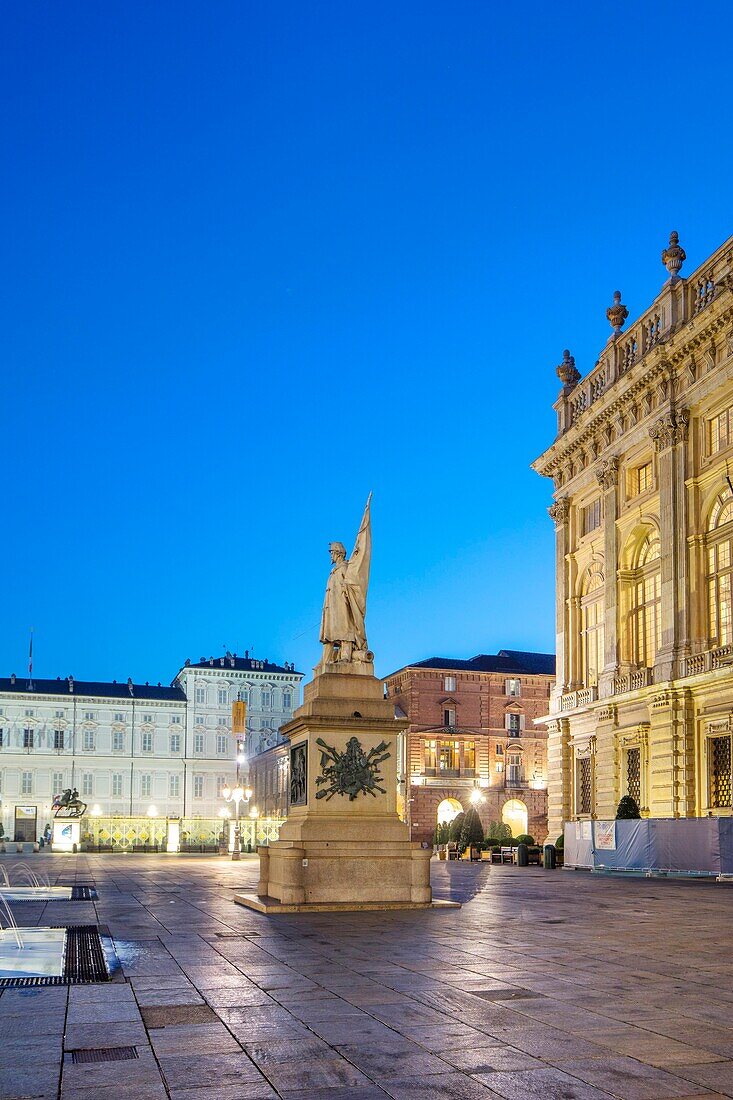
[(260, 259)]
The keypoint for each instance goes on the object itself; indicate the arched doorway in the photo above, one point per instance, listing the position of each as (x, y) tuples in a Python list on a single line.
[(448, 809), (514, 814)]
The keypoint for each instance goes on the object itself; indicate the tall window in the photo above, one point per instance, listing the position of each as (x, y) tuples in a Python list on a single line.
[(119, 717), (175, 744), (514, 724), (146, 741), (592, 628), (430, 758), (26, 783), (200, 695), (449, 717), (633, 774), (117, 784), (198, 742), (469, 755), (449, 683), (590, 517), (266, 699), (221, 782), (720, 431), (88, 740), (513, 687), (639, 479), (198, 786), (58, 782), (87, 784), (146, 783), (222, 697), (27, 739), (584, 792), (118, 741), (448, 756), (58, 740), (174, 786), (719, 771), (720, 570), (287, 700), (222, 744), (646, 603)]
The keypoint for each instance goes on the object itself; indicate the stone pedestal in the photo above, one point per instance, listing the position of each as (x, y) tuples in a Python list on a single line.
[(343, 847)]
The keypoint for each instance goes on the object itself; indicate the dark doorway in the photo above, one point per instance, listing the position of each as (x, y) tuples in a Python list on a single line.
[(25, 823)]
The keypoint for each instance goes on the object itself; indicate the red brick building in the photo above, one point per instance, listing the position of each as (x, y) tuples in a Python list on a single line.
[(472, 739)]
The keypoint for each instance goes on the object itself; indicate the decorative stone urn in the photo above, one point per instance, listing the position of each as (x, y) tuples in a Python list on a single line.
[(617, 313), (674, 256)]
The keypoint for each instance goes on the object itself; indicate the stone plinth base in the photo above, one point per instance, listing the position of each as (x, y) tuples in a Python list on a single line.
[(269, 905), (346, 872)]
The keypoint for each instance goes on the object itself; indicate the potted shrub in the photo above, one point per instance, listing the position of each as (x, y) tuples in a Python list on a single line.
[(525, 838), (560, 850), (534, 853), (472, 834), (496, 853), (628, 809)]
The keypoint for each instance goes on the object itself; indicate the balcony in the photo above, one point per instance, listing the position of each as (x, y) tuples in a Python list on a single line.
[(572, 700)]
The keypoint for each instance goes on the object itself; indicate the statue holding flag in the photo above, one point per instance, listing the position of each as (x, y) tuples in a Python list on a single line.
[(343, 632)]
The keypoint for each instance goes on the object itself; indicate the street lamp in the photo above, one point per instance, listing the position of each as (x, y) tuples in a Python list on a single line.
[(236, 796)]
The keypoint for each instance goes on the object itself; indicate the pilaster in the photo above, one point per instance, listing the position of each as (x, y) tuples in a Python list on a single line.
[(607, 475), (669, 433), (560, 514), (559, 776)]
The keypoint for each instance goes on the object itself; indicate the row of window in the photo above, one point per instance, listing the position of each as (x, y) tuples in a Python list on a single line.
[(145, 781), (641, 606), (513, 723), (247, 695), (719, 776), (512, 686), (62, 740)]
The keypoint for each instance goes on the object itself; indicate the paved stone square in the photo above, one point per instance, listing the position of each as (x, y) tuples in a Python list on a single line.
[(545, 984)]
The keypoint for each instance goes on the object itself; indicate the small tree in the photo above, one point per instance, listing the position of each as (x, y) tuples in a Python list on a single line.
[(498, 830), (627, 809), (455, 827), (472, 832)]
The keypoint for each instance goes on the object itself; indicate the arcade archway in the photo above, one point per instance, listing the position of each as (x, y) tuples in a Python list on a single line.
[(448, 809), (514, 814)]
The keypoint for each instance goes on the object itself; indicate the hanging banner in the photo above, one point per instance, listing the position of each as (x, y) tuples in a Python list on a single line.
[(239, 717), (605, 837)]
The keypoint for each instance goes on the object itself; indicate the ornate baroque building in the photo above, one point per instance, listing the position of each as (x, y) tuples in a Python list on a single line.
[(473, 739), (643, 513), (134, 750)]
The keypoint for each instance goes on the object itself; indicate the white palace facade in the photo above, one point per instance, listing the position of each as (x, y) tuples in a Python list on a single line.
[(135, 750)]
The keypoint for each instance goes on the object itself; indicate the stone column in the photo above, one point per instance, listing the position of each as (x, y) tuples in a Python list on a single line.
[(560, 513), (669, 433), (559, 768), (607, 475)]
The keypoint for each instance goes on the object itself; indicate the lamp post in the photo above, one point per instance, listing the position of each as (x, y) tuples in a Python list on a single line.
[(236, 796)]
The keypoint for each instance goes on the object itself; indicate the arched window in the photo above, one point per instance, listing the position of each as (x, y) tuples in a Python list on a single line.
[(591, 628), (646, 602), (719, 569)]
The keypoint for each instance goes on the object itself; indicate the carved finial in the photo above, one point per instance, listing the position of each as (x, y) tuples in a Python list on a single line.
[(617, 313), (674, 256), (567, 371)]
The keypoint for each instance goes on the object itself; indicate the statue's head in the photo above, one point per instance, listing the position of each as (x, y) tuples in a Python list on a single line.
[(337, 550)]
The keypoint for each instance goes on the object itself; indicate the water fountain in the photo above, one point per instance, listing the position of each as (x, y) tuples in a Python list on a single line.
[(29, 952), (23, 884)]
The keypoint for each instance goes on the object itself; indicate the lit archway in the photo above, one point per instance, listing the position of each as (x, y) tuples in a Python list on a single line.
[(514, 814), (448, 809)]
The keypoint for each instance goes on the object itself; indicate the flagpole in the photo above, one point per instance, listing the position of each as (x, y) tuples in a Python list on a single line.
[(30, 663)]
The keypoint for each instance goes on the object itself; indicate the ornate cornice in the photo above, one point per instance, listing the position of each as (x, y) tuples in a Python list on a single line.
[(560, 511)]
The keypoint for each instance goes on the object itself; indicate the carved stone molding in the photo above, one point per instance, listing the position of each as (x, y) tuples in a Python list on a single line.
[(607, 473), (560, 511), (606, 714), (670, 429)]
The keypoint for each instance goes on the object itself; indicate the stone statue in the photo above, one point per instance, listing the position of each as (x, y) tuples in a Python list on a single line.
[(343, 632)]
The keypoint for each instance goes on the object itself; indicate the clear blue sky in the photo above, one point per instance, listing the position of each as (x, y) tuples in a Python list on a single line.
[(259, 259)]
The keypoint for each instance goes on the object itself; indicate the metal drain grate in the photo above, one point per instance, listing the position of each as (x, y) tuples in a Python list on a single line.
[(83, 893), (84, 960), (104, 1054)]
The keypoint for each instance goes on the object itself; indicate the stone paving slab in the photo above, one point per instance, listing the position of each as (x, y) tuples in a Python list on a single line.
[(544, 985)]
